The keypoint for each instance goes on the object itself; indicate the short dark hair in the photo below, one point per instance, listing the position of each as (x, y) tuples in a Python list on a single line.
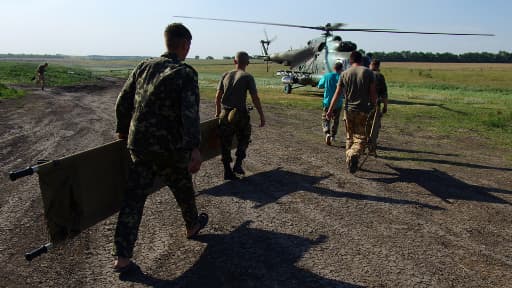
[(242, 57), (376, 62), (356, 57), (174, 33), (338, 66)]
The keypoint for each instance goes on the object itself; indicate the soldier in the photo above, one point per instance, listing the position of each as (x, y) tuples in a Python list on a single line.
[(234, 117), (382, 97), (359, 84), (329, 82), (41, 69), (158, 113)]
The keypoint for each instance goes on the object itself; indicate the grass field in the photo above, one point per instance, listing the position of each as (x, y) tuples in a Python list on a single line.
[(435, 97), (21, 73)]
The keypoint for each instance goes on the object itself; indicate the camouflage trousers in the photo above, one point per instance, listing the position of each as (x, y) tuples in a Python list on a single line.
[(173, 170), (40, 79), (355, 125), (326, 123), (234, 123)]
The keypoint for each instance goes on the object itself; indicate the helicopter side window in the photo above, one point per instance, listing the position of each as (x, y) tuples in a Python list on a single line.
[(336, 38)]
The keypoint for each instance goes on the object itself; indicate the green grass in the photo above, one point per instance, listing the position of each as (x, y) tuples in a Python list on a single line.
[(454, 101), (444, 99), (8, 93), (56, 75)]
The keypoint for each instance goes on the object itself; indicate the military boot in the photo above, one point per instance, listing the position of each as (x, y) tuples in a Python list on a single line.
[(353, 162), (237, 168), (228, 172)]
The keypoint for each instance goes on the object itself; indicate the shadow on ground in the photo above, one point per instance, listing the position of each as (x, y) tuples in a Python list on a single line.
[(401, 102), (447, 162), (393, 149), (443, 185), (270, 186), (246, 257)]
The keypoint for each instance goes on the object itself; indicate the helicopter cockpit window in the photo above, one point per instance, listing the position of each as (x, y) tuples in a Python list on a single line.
[(320, 47), (336, 38)]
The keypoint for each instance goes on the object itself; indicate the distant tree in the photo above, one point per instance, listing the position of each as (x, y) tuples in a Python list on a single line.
[(209, 58), (470, 57), (197, 57)]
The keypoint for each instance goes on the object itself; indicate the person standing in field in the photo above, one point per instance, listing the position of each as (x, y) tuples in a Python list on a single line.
[(158, 113), (382, 98), (41, 69), (329, 83), (359, 84), (231, 109)]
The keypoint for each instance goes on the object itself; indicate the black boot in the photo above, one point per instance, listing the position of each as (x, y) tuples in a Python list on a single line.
[(237, 168), (228, 173)]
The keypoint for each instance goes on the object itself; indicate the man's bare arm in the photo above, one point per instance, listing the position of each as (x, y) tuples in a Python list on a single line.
[(218, 98), (334, 100), (257, 104)]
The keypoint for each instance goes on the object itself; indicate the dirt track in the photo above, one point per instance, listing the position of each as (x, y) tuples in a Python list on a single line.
[(427, 213)]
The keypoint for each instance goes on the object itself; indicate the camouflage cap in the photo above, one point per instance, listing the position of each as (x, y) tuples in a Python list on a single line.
[(242, 57)]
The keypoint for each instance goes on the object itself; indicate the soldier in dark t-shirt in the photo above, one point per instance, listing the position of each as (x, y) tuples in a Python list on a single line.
[(382, 96), (41, 69), (231, 109)]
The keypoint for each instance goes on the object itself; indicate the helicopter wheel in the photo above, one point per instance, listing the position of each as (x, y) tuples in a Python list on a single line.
[(288, 88)]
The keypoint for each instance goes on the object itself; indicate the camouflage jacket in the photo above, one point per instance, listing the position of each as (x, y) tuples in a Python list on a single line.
[(158, 106), (41, 69)]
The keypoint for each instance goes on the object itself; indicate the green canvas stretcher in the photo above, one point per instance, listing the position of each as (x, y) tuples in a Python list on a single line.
[(83, 189)]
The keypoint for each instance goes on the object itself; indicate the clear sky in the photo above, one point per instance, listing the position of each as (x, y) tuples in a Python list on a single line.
[(134, 27)]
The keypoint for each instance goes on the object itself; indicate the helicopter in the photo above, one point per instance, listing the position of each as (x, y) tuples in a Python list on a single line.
[(310, 63)]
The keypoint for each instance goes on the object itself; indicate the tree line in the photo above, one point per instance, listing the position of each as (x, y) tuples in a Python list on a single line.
[(403, 56), (470, 57)]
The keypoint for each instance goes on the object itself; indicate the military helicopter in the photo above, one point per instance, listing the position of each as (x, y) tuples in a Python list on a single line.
[(310, 63)]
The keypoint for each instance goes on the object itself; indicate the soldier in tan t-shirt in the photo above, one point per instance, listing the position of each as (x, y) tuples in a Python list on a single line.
[(358, 82), (231, 109)]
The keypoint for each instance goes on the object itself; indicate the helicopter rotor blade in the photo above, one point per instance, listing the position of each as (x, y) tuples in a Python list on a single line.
[(410, 32), (335, 27), (321, 28)]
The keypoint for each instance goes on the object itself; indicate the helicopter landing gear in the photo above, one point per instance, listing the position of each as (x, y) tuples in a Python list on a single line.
[(288, 88)]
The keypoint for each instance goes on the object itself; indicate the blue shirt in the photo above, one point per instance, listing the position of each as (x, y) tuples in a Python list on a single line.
[(329, 82)]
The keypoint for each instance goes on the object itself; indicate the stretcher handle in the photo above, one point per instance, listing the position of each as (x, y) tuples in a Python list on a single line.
[(28, 171), (21, 173), (38, 252)]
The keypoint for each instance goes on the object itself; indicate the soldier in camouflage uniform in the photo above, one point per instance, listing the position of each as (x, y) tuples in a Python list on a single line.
[(231, 109), (382, 98), (41, 69), (359, 84), (158, 112)]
